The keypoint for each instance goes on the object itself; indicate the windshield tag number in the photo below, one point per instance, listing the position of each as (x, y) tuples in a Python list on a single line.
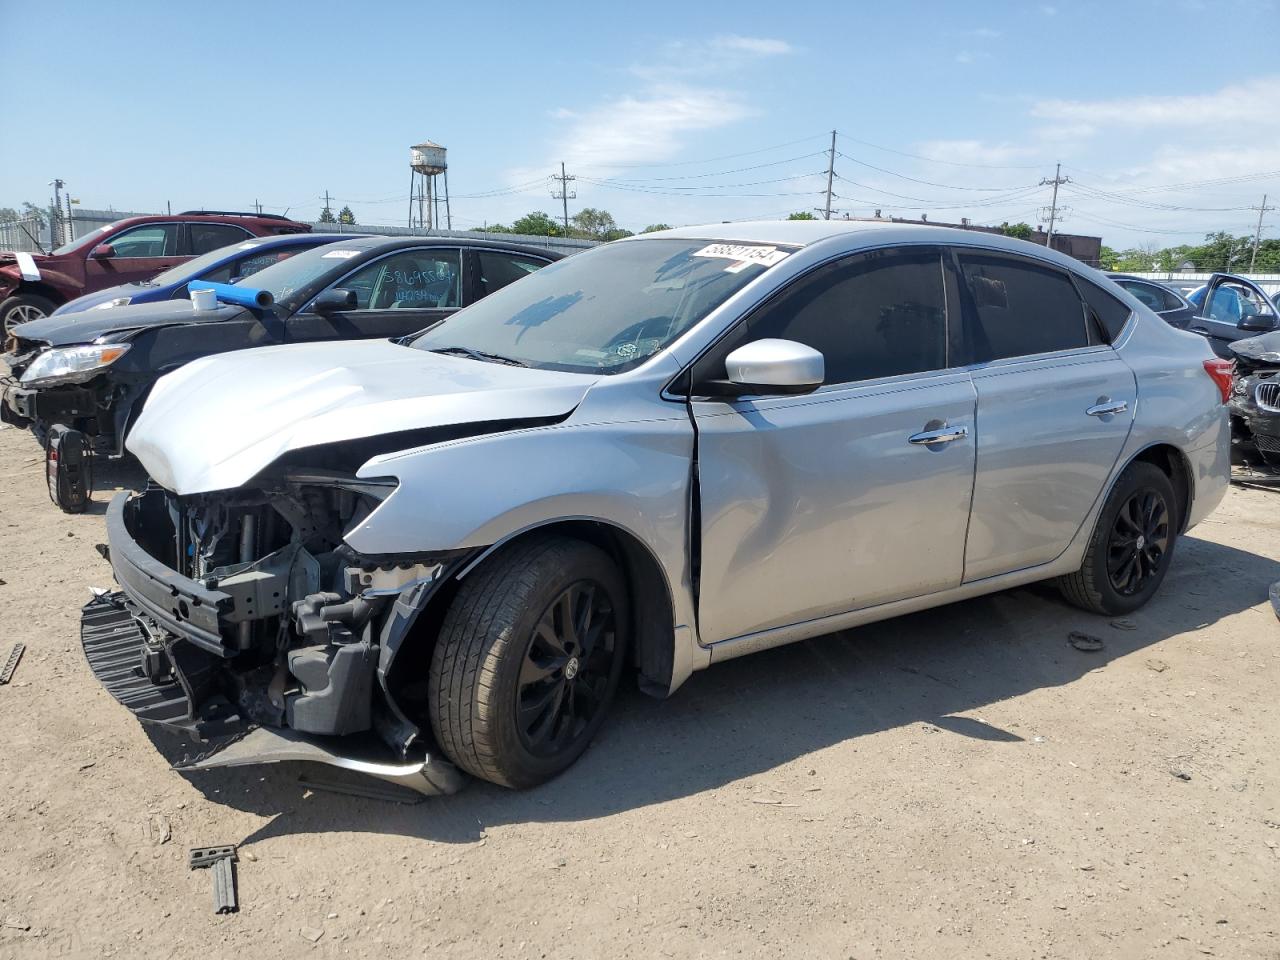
[(743, 255), (339, 254)]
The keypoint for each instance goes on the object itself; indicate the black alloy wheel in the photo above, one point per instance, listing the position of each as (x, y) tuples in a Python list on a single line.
[(1139, 542), (567, 669)]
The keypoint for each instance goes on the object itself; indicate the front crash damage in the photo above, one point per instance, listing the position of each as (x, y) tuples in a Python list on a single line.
[(242, 616)]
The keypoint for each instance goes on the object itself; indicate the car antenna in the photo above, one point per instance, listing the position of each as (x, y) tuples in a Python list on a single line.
[(39, 245)]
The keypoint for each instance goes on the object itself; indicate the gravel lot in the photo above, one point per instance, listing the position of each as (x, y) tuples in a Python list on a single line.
[(958, 783)]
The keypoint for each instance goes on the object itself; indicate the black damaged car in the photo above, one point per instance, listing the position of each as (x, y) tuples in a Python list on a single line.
[(91, 371), (1255, 402)]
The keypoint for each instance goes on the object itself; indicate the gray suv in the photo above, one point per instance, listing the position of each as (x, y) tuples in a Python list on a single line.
[(647, 458)]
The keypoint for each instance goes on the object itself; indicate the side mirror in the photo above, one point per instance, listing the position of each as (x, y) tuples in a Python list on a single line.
[(1257, 322), (773, 367), (334, 300), (103, 251)]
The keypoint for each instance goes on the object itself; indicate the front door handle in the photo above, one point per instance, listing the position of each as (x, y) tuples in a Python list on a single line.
[(1106, 407), (940, 435)]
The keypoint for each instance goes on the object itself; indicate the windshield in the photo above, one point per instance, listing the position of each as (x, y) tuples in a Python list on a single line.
[(93, 236), (604, 311), (193, 268), (289, 276)]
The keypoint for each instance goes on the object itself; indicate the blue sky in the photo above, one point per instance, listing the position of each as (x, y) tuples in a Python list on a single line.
[(667, 112)]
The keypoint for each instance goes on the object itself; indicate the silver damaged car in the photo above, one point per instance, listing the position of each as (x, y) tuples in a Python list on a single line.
[(437, 556)]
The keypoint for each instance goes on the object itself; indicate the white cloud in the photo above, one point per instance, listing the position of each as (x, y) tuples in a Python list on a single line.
[(1048, 11), (754, 46), (646, 127), (1252, 102)]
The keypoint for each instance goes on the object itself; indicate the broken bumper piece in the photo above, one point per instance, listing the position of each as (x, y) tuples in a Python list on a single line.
[(428, 776), (123, 656)]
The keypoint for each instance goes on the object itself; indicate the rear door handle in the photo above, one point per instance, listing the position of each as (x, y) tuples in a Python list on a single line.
[(941, 435), (1106, 407)]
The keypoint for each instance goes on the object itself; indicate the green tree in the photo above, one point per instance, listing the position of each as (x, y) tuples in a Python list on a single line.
[(594, 224), (346, 216), (326, 216), (617, 234), (537, 224), (803, 215), (655, 227), (1021, 231)]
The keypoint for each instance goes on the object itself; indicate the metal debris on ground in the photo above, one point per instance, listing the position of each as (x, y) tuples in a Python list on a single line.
[(221, 860), (372, 789), (1084, 641), (11, 663)]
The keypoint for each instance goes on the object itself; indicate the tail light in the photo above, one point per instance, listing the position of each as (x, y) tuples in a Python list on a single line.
[(1219, 372)]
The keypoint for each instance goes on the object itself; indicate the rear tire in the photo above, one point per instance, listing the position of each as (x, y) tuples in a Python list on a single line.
[(1131, 547), (22, 309), (528, 659)]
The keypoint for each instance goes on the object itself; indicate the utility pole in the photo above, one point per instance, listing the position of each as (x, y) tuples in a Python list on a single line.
[(327, 198), (1257, 234), (564, 195), (1057, 181), (257, 206), (55, 214), (831, 174)]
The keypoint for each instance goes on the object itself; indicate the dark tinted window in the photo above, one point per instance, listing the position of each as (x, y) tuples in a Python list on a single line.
[(410, 279), (1020, 309), (1110, 313), (211, 236), (499, 269), (873, 316)]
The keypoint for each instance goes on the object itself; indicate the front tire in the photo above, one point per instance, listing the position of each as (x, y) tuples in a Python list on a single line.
[(1131, 547), (23, 308), (528, 659)]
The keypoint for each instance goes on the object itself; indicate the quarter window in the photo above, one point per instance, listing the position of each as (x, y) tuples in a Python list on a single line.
[(210, 236), (1110, 313), (410, 279), (1020, 309), (877, 315), (149, 240)]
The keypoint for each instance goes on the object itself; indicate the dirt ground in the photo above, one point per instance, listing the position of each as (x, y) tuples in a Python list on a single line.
[(958, 783)]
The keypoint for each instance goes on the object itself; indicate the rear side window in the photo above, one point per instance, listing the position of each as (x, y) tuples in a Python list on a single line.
[(1111, 314), (499, 269), (877, 315), (210, 236), (1019, 309)]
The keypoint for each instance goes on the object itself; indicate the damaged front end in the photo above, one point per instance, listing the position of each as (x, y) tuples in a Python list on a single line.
[(244, 612), (1255, 412)]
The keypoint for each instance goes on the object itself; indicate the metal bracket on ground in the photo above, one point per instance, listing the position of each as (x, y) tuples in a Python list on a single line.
[(11, 663), (221, 861)]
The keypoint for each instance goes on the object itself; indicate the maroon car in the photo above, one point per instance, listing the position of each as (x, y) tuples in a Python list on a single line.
[(32, 285)]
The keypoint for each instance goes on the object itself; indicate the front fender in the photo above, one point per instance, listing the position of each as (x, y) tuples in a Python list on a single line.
[(479, 491)]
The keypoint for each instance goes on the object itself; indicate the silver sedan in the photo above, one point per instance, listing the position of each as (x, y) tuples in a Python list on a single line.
[(662, 453)]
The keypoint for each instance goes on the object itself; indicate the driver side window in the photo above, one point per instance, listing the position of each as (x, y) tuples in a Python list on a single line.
[(149, 240), (409, 279), (874, 315)]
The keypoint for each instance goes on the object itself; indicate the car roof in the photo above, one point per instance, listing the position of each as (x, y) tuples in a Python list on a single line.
[(857, 233), (378, 244)]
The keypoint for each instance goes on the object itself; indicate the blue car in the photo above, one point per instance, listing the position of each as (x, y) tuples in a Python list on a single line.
[(225, 265)]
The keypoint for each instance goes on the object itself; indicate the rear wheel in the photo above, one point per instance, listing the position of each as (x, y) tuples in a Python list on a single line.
[(528, 659), (22, 309), (1132, 544)]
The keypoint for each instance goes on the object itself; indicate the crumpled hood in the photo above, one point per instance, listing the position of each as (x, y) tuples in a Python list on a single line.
[(217, 422), (85, 327), (1255, 348)]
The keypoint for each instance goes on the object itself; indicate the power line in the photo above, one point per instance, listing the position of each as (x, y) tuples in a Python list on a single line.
[(727, 156), (927, 183), (950, 163)]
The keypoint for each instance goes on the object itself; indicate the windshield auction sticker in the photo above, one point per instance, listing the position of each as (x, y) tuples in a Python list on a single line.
[(742, 254)]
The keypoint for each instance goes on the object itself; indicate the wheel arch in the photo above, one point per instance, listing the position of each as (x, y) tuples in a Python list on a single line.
[(1174, 464), (38, 288), (652, 604)]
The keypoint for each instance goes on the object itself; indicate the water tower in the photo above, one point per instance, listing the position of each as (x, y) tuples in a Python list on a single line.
[(427, 161)]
